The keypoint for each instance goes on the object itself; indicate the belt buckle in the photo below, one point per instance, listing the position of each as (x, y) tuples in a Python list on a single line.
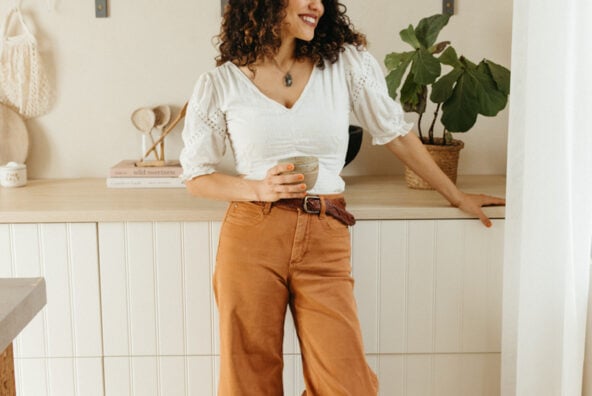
[(305, 204)]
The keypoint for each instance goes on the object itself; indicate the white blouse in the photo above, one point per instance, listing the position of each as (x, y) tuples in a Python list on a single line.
[(227, 105)]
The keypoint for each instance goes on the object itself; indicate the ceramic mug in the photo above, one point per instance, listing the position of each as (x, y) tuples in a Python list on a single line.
[(307, 166), (13, 175)]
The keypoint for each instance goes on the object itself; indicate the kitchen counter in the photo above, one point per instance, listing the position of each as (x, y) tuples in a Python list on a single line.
[(89, 200), (20, 300)]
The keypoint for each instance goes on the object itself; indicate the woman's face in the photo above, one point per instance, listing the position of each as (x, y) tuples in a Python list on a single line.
[(302, 17)]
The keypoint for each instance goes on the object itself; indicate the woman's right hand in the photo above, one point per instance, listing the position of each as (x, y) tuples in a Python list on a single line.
[(278, 185)]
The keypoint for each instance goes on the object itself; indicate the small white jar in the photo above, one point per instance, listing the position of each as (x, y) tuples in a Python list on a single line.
[(13, 175)]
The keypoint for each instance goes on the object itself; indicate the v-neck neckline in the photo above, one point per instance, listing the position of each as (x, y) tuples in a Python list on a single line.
[(255, 88)]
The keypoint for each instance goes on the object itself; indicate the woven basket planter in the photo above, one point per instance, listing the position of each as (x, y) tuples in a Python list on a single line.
[(445, 156)]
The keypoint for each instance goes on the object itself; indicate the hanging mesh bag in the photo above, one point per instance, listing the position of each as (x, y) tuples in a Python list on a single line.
[(23, 82)]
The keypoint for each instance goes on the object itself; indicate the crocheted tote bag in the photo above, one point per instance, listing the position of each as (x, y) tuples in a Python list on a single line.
[(23, 82)]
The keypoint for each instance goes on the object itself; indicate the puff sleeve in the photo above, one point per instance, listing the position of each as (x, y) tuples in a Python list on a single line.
[(204, 133), (378, 113)]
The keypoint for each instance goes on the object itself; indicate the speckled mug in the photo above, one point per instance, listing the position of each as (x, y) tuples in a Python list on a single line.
[(306, 165)]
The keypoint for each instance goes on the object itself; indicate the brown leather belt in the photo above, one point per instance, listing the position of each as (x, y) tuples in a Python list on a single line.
[(313, 204)]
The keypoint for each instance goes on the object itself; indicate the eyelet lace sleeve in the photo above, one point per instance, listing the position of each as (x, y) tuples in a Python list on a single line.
[(204, 133), (378, 113)]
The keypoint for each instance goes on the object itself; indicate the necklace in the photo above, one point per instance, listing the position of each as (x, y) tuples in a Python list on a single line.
[(287, 76)]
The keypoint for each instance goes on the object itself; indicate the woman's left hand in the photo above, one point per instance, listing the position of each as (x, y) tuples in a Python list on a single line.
[(472, 204)]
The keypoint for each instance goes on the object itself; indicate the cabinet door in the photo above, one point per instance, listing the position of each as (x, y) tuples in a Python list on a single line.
[(429, 297), (58, 352), (158, 309)]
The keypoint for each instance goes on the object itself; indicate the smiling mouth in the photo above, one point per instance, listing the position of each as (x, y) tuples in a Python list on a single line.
[(309, 20)]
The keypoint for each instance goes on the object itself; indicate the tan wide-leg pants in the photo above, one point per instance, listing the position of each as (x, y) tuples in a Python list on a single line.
[(271, 258)]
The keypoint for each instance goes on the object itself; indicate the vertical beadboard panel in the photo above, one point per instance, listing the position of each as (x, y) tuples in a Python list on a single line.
[(172, 376), (366, 267), (448, 375), (419, 370), (290, 339), (420, 294), (201, 374), (49, 351), (214, 236), (393, 287), (57, 270), (392, 375), (5, 251), (495, 253), (198, 291), (90, 377), (141, 289), (170, 289), (59, 376), (84, 286), (292, 375), (114, 289), (478, 320), (481, 374), (289, 375), (145, 376), (32, 377), (118, 377), (450, 236), (27, 262)]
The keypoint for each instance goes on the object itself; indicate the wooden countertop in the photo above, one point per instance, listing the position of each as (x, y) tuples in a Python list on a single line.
[(20, 300), (89, 200)]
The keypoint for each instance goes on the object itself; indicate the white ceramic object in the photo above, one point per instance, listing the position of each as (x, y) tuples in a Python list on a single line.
[(13, 175), (305, 165)]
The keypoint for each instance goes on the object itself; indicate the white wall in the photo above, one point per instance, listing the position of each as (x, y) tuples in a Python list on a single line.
[(150, 52)]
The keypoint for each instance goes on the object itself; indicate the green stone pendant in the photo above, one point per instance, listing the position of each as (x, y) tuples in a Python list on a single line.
[(288, 79)]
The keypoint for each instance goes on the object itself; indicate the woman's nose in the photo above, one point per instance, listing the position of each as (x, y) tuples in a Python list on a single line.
[(315, 4)]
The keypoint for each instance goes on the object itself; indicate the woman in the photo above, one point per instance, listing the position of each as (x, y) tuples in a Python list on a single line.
[(289, 73)]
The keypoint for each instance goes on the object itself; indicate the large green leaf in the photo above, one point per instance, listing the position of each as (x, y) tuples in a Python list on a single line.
[(459, 112), (442, 89), (393, 79), (491, 100), (394, 59), (427, 29), (450, 58), (426, 68), (413, 95), (408, 36), (500, 75)]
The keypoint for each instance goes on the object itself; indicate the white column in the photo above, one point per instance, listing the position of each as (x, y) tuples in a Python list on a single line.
[(549, 215)]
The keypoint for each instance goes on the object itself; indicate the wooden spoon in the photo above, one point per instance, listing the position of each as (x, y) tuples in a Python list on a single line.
[(144, 120), (163, 116), (168, 129)]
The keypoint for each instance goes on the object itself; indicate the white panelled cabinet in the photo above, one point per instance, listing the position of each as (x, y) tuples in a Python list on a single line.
[(60, 351), (131, 312)]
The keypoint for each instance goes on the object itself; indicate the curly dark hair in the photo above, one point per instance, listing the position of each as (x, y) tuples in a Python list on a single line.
[(250, 31)]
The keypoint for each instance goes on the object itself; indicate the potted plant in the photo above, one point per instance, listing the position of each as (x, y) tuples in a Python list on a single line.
[(465, 91)]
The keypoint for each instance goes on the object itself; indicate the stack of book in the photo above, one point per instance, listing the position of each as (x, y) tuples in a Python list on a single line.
[(126, 174)]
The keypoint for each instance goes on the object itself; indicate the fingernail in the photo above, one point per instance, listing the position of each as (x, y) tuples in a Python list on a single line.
[(290, 167), (303, 186)]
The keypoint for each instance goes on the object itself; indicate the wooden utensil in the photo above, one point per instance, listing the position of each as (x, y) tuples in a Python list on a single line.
[(163, 116), (144, 120), (14, 138), (168, 129)]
